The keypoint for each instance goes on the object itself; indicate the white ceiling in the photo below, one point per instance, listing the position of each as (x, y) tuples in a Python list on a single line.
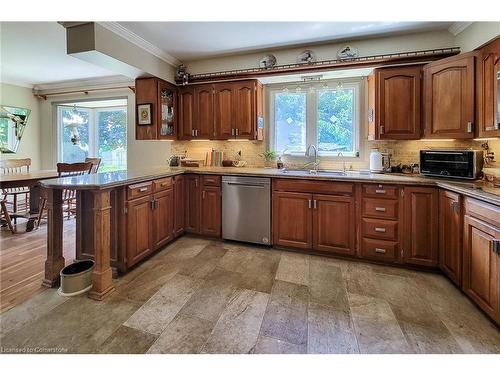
[(194, 40), (35, 52)]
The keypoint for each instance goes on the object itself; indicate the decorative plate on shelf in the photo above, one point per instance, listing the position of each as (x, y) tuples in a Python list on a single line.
[(306, 57), (268, 61), (348, 52)]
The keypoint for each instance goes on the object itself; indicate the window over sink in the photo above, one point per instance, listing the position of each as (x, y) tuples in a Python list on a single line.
[(325, 114)]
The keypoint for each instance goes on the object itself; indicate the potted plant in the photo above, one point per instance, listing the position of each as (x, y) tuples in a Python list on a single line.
[(269, 157)]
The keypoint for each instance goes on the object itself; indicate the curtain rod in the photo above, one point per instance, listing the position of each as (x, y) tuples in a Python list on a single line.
[(86, 92)]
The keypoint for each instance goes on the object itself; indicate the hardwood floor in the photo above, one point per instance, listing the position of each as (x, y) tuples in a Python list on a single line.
[(22, 258), (207, 296)]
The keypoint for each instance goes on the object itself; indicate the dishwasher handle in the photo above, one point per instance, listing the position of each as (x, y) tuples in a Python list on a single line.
[(260, 186)]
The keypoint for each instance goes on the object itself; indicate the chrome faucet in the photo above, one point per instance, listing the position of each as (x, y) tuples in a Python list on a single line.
[(341, 155), (315, 163)]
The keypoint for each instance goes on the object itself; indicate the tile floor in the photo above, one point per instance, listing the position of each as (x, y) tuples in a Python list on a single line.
[(203, 296)]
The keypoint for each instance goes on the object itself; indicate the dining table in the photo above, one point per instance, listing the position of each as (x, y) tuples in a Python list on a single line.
[(30, 180)]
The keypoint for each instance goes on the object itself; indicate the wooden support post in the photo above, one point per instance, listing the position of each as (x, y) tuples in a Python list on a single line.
[(102, 275), (55, 260)]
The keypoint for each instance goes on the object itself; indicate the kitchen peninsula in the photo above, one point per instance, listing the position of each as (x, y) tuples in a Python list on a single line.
[(122, 217)]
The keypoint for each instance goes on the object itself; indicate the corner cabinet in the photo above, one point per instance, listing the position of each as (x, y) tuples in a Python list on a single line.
[(163, 99), (420, 223), (481, 269), (450, 235), (449, 98), (488, 90), (394, 103)]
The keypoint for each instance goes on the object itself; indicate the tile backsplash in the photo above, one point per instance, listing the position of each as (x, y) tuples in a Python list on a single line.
[(404, 152)]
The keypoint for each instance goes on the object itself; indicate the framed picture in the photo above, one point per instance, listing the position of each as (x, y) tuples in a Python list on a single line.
[(144, 114)]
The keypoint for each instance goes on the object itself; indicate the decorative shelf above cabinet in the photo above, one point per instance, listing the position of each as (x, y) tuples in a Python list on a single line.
[(162, 96)]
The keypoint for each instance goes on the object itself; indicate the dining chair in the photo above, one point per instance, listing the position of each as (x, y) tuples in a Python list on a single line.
[(96, 162), (17, 199), (69, 195)]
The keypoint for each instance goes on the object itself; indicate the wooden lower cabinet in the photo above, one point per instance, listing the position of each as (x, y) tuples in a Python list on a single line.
[(334, 226), (481, 268), (179, 194), (450, 235), (292, 219), (211, 211), (192, 203), (163, 217), (139, 234), (420, 223)]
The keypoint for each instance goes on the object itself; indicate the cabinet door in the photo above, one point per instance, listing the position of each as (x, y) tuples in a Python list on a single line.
[(223, 110), (481, 280), (420, 235), (163, 217), (139, 229), (488, 82), (244, 109), (334, 227), (211, 219), (167, 110), (292, 219), (449, 97), (450, 235), (186, 113), (398, 99), (178, 205), (192, 204), (204, 111)]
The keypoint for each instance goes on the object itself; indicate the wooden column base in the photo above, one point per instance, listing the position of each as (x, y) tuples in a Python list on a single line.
[(52, 270), (102, 284), (55, 260)]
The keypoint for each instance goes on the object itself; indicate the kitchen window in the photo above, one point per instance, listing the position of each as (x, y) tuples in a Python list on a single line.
[(323, 114), (94, 129)]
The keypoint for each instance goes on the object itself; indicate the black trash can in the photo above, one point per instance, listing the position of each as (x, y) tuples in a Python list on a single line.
[(76, 278)]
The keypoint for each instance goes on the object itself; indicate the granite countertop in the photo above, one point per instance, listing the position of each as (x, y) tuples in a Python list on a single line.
[(478, 189)]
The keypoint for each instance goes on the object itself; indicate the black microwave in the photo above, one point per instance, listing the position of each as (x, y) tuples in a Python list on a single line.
[(466, 164)]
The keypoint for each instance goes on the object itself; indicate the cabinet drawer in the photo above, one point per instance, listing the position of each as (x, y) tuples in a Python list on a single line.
[(380, 191), (308, 186), (379, 249), (376, 228), (483, 211), (380, 208), (139, 190), (211, 180), (162, 183)]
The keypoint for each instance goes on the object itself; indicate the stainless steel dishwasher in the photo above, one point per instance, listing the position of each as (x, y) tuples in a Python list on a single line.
[(246, 209)]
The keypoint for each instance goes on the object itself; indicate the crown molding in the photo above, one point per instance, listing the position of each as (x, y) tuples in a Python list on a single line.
[(457, 27), (83, 83), (140, 42)]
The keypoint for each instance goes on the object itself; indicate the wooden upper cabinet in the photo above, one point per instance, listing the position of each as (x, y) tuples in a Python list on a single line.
[(450, 235), (449, 86), (244, 109), (334, 227), (488, 90), (420, 223), (186, 113), (482, 265), (224, 110), (163, 99), (204, 111), (397, 103), (292, 219)]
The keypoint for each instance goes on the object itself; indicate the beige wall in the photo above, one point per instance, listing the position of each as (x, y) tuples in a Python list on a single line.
[(29, 147), (140, 154), (477, 34), (366, 47)]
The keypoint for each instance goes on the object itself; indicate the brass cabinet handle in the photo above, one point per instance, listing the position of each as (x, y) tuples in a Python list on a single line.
[(142, 190), (314, 204), (309, 203), (381, 230), (378, 191), (203, 194), (380, 209), (380, 251)]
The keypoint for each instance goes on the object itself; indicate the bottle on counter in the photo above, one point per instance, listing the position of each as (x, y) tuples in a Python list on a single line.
[(279, 163)]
